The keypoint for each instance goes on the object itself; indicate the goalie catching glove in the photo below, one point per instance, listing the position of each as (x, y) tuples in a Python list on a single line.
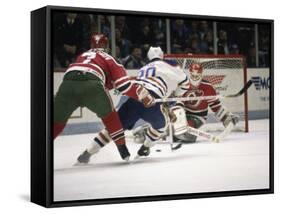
[(145, 97)]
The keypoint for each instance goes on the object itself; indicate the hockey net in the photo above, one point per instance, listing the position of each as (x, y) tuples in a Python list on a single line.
[(228, 74)]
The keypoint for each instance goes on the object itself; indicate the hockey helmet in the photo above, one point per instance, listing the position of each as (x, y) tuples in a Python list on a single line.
[(99, 41), (155, 53)]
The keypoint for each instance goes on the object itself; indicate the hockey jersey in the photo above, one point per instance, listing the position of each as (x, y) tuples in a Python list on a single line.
[(200, 107), (161, 78), (106, 68)]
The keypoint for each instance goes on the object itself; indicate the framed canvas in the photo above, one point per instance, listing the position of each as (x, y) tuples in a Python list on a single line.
[(134, 106)]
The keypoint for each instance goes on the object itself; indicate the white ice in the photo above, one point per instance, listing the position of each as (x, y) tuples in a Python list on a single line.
[(239, 162)]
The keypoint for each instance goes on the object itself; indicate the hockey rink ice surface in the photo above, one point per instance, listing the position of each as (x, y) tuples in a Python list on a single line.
[(239, 162)]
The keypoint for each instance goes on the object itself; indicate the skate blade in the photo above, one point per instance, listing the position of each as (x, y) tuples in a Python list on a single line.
[(80, 164), (127, 159), (176, 147), (135, 159), (138, 158)]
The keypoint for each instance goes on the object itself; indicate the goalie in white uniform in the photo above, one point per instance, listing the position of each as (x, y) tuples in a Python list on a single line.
[(157, 79), (194, 113)]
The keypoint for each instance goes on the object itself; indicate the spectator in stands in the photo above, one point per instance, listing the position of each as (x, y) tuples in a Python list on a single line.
[(194, 30), (234, 49), (264, 42), (134, 60), (143, 35), (194, 46), (105, 25), (120, 23), (93, 25), (146, 38), (207, 44), (86, 21), (118, 54), (179, 34), (203, 29), (223, 46), (251, 57), (68, 37), (159, 31), (123, 44)]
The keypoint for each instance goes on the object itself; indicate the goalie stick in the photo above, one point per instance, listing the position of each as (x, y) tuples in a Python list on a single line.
[(174, 99), (169, 139), (201, 133)]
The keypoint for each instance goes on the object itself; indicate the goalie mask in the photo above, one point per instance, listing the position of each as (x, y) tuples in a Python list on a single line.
[(195, 74), (99, 41)]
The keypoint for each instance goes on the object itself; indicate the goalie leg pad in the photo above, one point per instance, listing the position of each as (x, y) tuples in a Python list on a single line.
[(226, 117), (221, 113), (191, 121), (179, 126)]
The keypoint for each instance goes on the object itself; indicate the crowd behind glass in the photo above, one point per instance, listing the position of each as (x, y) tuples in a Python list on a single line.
[(133, 36)]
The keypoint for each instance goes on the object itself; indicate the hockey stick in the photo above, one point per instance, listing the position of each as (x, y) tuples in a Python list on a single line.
[(196, 132), (174, 99), (171, 140), (201, 133), (226, 131)]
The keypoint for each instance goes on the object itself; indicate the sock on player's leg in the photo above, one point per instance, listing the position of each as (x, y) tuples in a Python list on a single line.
[(57, 129), (98, 142), (114, 127), (152, 135)]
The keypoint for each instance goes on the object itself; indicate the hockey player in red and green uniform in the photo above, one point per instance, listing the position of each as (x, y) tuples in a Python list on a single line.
[(86, 83)]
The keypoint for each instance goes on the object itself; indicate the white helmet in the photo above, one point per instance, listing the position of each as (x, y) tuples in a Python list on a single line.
[(155, 53)]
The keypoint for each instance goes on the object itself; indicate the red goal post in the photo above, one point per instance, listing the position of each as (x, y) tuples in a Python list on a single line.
[(228, 74)]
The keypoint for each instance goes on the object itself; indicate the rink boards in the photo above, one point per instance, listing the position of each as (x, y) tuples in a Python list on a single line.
[(84, 121)]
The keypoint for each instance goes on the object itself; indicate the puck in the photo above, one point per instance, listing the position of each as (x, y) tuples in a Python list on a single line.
[(158, 150)]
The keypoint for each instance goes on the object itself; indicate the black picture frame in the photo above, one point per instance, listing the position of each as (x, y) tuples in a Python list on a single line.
[(42, 101)]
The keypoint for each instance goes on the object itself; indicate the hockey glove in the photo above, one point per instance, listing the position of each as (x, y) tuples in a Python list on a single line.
[(145, 97)]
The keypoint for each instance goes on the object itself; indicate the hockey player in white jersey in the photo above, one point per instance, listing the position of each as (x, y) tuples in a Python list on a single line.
[(194, 113), (158, 79)]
